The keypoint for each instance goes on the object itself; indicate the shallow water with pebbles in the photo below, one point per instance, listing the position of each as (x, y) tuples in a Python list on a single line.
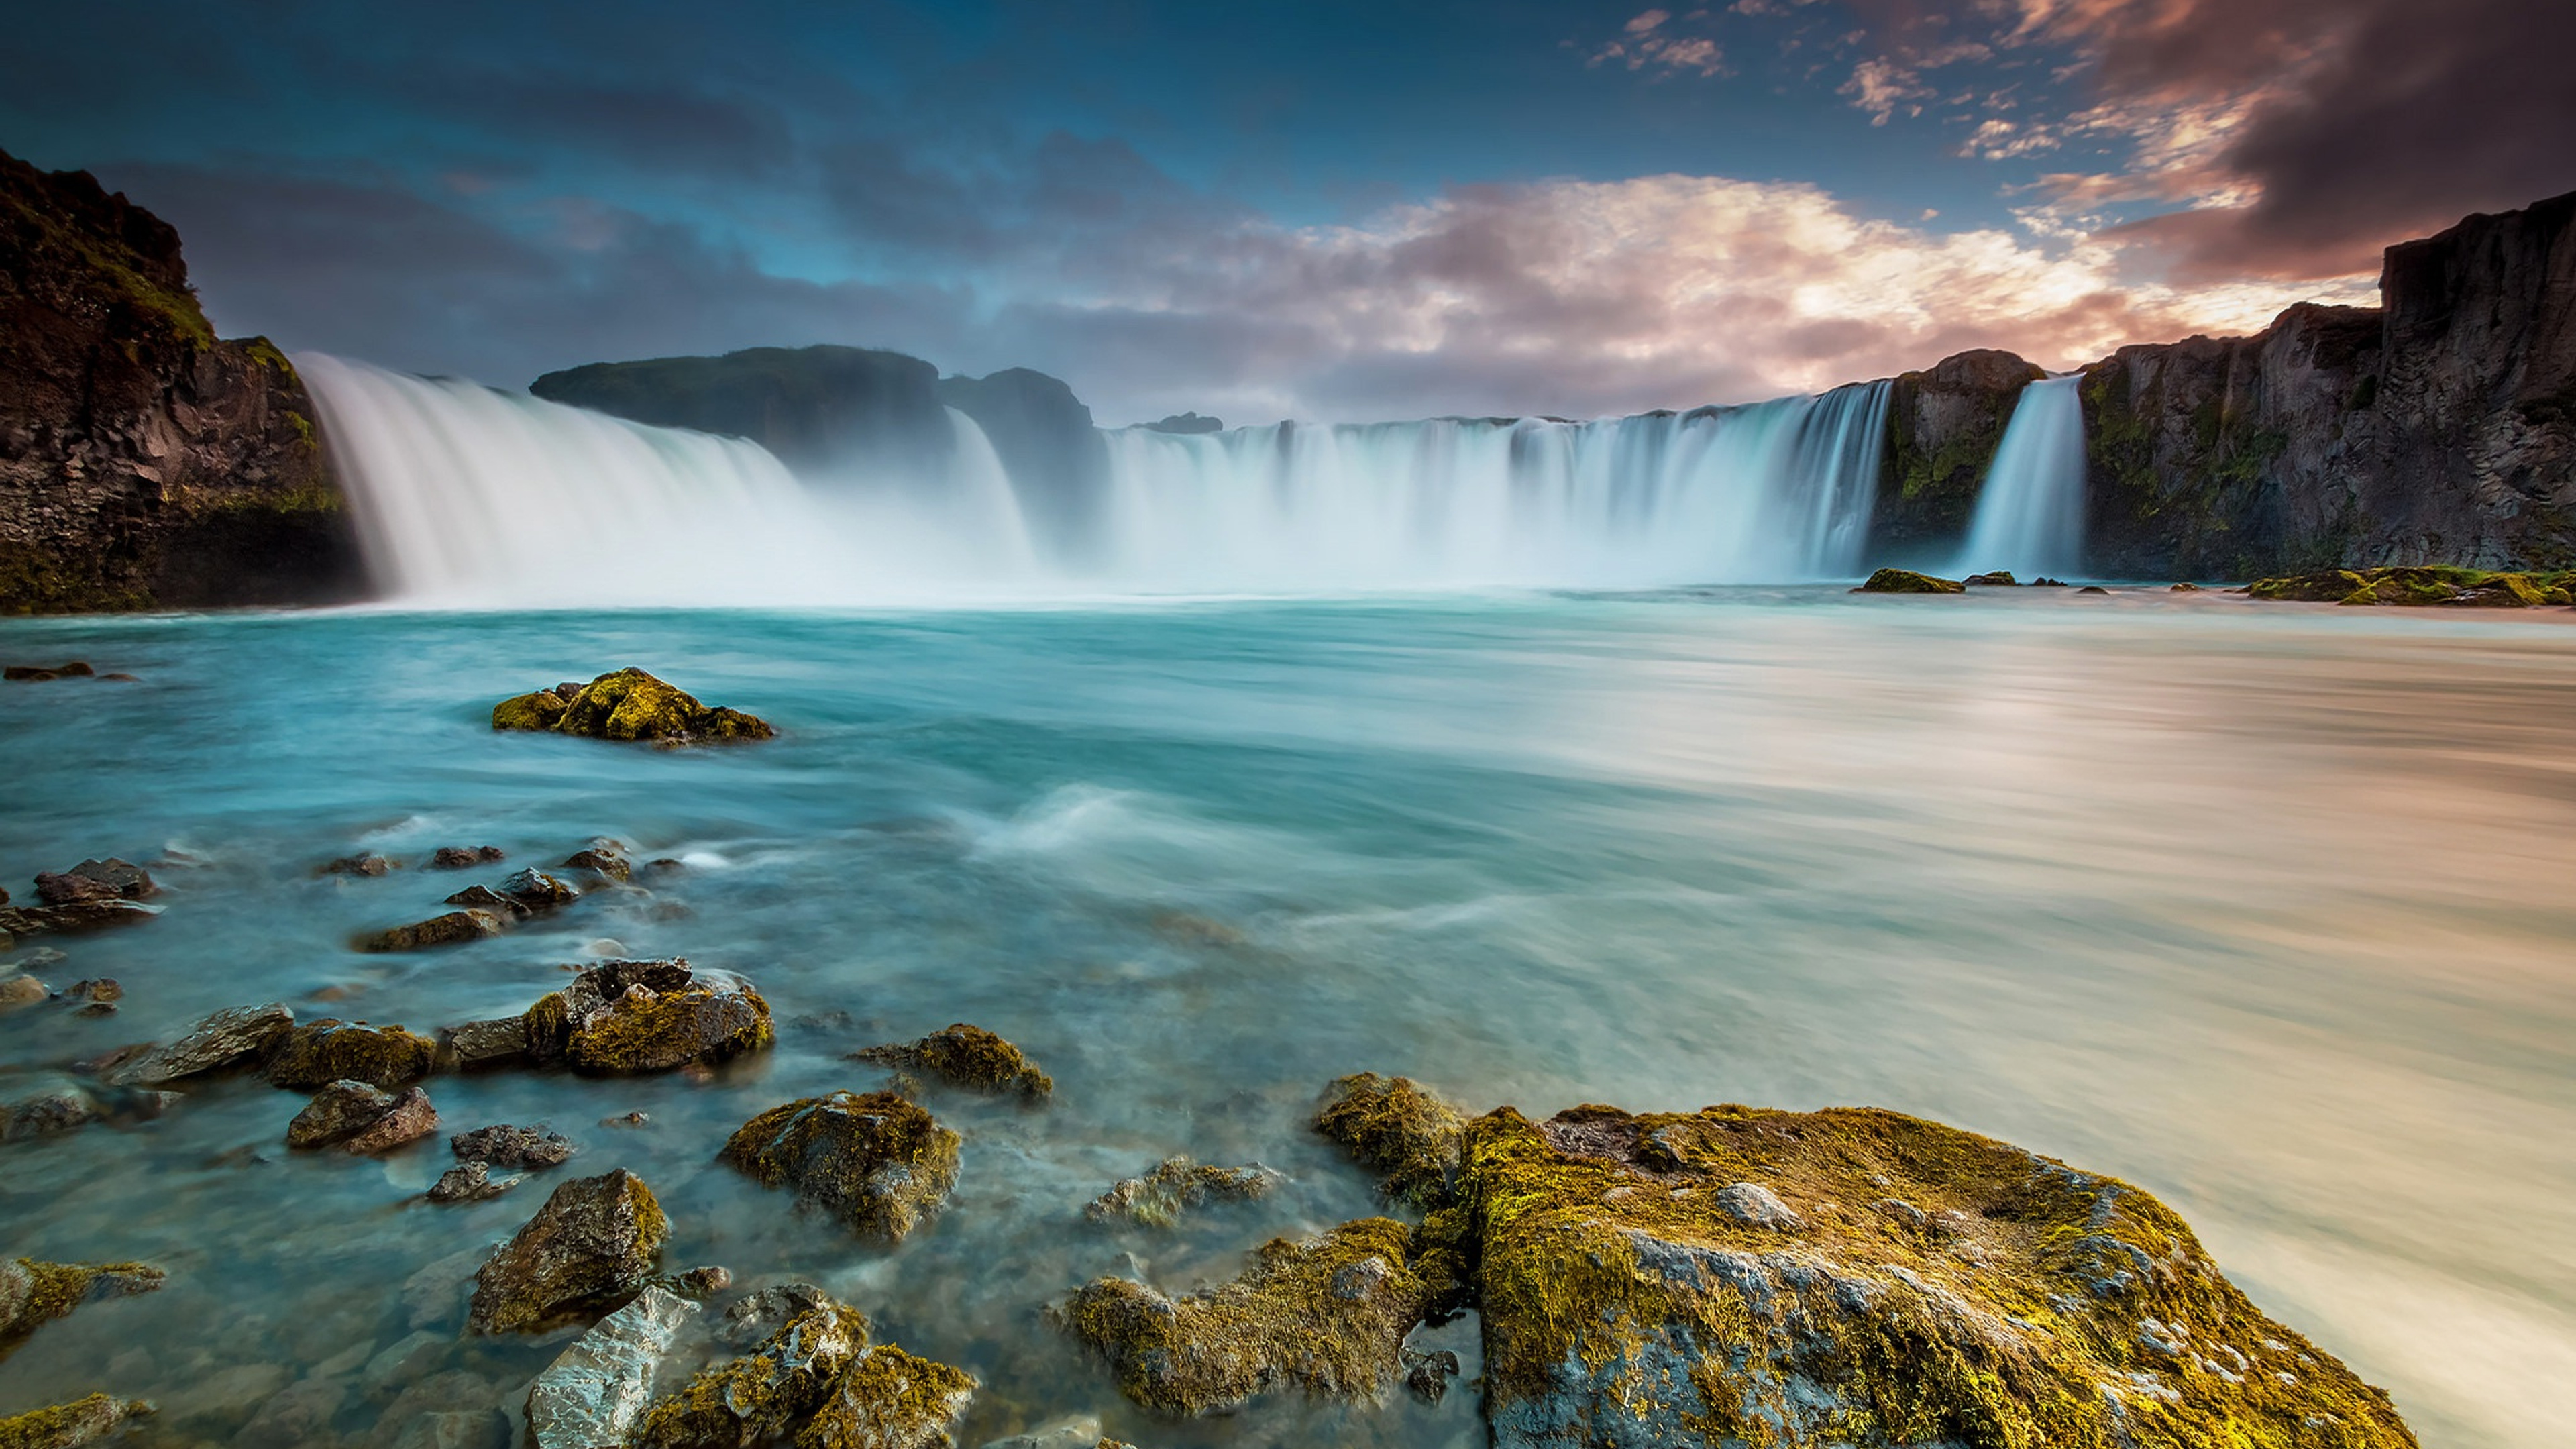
[(2261, 907)]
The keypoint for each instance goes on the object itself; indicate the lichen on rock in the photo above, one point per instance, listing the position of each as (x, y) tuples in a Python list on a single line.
[(1176, 1185), (67, 1426), (2427, 586), (763, 1394), (595, 1241), (969, 1056), (34, 1293), (592, 1394), (627, 704), (321, 1052), (878, 1163), (1857, 1277), (1907, 581), (886, 1398), (623, 1017), (1328, 1315), (1406, 1135)]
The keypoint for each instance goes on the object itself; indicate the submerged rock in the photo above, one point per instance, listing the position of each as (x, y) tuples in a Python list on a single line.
[(761, 1395), (627, 704), (67, 1426), (48, 1107), (503, 1145), (22, 990), (603, 858), (33, 1294), (1411, 1138), (361, 1119), (648, 1016), (1722, 1277), (595, 1241), (1907, 581), (69, 917), (458, 857), (1175, 1185), (328, 1050), (969, 1056), (591, 1395), (1328, 1315), (225, 1038), (889, 1399), (369, 864), (534, 890), (446, 930), (877, 1162), (469, 1182)]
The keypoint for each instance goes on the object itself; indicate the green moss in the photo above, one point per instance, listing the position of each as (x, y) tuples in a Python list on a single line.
[(1907, 581), (43, 1292), (1175, 1185), (1925, 1285), (876, 1162), (1409, 1137), (321, 1052), (38, 581), (693, 1024), (1327, 1315), (80, 1422), (2423, 585), (762, 1394), (629, 705), (549, 1025), (889, 1399), (539, 711), (969, 1056)]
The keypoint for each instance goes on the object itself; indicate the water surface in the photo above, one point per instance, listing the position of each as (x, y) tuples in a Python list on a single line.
[(2263, 908)]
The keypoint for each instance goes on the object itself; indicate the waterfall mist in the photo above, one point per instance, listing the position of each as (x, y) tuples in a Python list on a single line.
[(475, 497)]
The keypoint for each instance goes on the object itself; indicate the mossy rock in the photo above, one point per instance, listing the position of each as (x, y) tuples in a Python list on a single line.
[(2420, 586), (319, 1053), (1856, 1277), (1907, 581), (1327, 1315), (1409, 1137), (33, 1293), (65, 1426), (1176, 1185), (878, 1163), (760, 1396), (594, 1243), (630, 705), (889, 1399), (630, 1017), (969, 1056)]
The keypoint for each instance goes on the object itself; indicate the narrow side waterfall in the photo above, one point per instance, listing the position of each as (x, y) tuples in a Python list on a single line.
[(2030, 513), (471, 496)]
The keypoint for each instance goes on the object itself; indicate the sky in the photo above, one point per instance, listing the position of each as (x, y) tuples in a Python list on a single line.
[(1323, 210)]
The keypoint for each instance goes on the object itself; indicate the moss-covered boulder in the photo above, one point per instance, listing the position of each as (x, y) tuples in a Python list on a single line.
[(33, 1294), (2420, 587), (762, 1395), (1176, 1185), (877, 1162), (624, 1017), (889, 1399), (594, 1243), (628, 704), (1856, 1277), (1328, 1315), (319, 1053), (226, 1038), (67, 1426), (1907, 581), (968, 1056), (1409, 1137)]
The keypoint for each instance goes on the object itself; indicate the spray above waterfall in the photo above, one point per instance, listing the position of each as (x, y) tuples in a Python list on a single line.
[(467, 495), (2030, 513)]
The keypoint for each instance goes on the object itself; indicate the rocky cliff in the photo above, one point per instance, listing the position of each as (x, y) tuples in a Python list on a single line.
[(143, 462), (1943, 426), (1058, 462)]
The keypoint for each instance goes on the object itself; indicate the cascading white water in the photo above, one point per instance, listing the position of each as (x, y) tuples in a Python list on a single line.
[(2030, 512), (472, 496)]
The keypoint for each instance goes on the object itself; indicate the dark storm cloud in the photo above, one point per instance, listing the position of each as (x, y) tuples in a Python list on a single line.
[(374, 270), (664, 128)]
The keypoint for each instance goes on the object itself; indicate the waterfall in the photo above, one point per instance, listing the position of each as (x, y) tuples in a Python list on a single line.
[(468, 495), (2030, 513)]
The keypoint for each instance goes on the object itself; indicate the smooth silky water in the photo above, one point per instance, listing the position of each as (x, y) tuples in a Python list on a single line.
[(2261, 907)]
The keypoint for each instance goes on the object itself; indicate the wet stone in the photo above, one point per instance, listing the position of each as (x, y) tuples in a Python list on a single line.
[(594, 1241), (593, 1393), (534, 890), (366, 865), (484, 898), (17, 991), (762, 1394), (48, 1107), (469, 1182), (225, 1038), (66, 1426), (458, 857), (362, 1120), (507, 1146), (648, 1016), (968, 1056), (446, 930), (877, 1163), (889, 1399), (34, 1293), (334, 1051), (486, 1043)]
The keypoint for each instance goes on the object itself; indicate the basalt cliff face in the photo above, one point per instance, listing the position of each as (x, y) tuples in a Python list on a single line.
[(2439, 427), (144, 463)]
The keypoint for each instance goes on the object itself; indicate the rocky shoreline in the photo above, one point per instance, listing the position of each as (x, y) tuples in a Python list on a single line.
[(1736, 1275)]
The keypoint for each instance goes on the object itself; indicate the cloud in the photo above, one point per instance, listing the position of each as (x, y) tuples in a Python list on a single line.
[(1645, 42)]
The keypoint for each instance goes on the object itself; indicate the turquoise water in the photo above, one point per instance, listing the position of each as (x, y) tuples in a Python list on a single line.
[(2263, 907)]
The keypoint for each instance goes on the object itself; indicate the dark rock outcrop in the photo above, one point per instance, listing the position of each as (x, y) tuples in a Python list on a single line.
[(593, 1243), (1907, 581), (1186, 424), (968, 1056), (362, 1120), (876, 1162), (627, 704), (1943, 426), (825, 411), (1057, 461), (144, 463), (625, 1017), (225, 1038), (319, 1053)]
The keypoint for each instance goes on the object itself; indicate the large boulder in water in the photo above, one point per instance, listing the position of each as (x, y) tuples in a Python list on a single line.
[(628, 704), (877, 1162), (225, 1038), (648, 1016), (1854, 1277), (321, 1052), (593, 1243), (760, 1396)]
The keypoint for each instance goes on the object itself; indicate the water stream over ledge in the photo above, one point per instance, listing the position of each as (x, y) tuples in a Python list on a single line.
[(2261, 908)]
